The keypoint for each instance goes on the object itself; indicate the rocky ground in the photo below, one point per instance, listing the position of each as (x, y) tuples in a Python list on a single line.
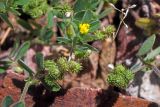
[(12, 84), (146, 85)]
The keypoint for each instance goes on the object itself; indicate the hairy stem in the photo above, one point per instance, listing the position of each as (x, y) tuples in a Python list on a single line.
[(25, 89)]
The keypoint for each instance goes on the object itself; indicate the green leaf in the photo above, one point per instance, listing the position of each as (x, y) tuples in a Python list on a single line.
[(14, 50), (2, 70), (85, 5), (85, 16), (89, 47), (63, 40), (25, 24), (56, 87), (75, 26), (147, 45), (22, 50), (87, 38), (152, 54), (40, 60), (4, 65), (14, 11), (88, 16), (7, 101), (2, 7), (25, 67), (61, 25), (106, 12), (5, 18), (79, 15), (21, 2), (50, 19), (54, 2), (46, 34), (94, 26), (19, 104)]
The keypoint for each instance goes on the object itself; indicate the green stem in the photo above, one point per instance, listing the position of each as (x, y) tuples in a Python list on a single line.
[(138, 69), (154, 68), (25, 89), (100, 7)]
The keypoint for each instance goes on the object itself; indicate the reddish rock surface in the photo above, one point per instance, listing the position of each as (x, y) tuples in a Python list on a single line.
[(12, 84), (82, 97)]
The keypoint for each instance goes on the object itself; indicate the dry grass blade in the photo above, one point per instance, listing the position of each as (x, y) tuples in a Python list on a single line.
[(3, 37)]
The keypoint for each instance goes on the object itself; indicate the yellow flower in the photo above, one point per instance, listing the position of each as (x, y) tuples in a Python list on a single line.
[(84, 28)]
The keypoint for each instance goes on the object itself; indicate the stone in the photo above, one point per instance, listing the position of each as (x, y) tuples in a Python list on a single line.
[(37, 96), (145, 85), (107, 56), (87, 97)]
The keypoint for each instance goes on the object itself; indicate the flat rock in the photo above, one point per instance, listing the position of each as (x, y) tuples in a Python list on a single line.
[(83, 97), (12, 84), (145, 85)]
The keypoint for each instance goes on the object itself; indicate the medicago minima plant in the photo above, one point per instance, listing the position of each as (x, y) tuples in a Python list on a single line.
[(79, 24)]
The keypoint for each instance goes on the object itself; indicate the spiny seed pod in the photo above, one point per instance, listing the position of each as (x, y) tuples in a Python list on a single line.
[(120, 77), (62, 64), (117, 81), (74, 67), (119, 69), (70, 31), (68, 66), (128, 75), (82, 54), (109, 30), (52, 69), (48, 80), (64, 9), (51, 84), (36, 8), (100, 35)]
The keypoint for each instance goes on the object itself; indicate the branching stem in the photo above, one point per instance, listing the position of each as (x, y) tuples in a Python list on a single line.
[(123, 13)]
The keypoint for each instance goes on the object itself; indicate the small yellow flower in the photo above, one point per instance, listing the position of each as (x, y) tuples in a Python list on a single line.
[(84, 28)]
